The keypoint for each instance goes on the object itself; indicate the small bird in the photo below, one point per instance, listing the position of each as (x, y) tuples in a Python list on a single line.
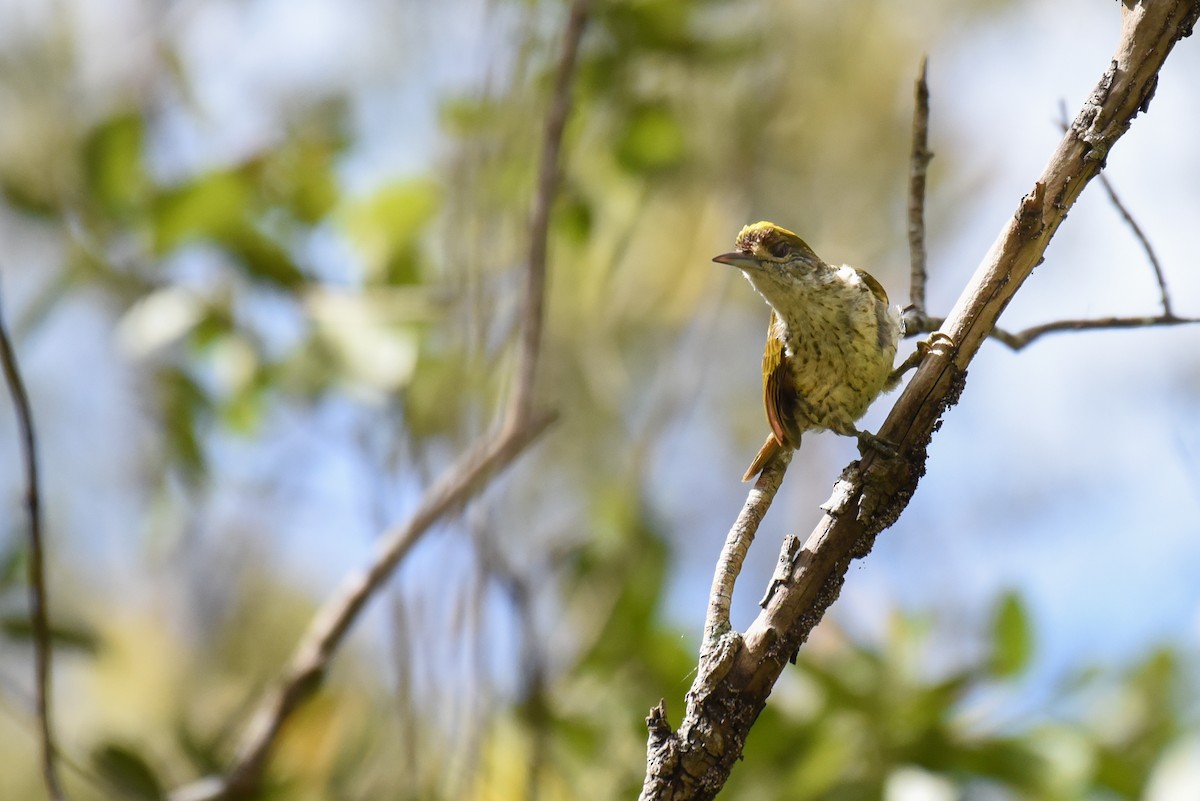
[(831, 341)]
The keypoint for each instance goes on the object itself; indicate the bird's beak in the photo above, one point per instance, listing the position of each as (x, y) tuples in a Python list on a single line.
[(743, 261)]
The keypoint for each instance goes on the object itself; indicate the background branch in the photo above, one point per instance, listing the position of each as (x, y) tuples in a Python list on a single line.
[(728, 693), (539, 221), (462, 481), (918, 169), (39, 615)]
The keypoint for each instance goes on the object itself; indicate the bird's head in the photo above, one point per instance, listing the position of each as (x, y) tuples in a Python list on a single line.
[(766, 247), (772, 258)]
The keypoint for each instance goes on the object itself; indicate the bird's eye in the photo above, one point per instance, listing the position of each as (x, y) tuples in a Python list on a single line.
[(779, 248)]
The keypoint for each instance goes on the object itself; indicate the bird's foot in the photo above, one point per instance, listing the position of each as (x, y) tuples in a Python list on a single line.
[(914, 358), (872, 442)]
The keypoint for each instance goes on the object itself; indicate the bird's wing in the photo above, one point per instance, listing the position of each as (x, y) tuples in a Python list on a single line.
[(779, 395), (876, 288)]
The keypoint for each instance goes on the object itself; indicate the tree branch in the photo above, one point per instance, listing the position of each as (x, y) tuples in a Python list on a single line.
[(465, 479), (39, 614), (1138, 233), (521, 404), (1020, 339), (731, 689), (737, 544), (1145, 243), (918, 169)]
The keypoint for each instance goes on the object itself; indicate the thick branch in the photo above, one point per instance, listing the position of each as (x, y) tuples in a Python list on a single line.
[(39, 615), (731, 687)]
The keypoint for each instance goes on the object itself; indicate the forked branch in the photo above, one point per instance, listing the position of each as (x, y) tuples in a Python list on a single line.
[(736, 675)]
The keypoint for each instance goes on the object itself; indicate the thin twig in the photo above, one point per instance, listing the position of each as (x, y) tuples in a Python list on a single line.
[(918, 169), (737, 544), (1144, 240), (1020, 339), (39, 615), (1138, 233), (539, 220)]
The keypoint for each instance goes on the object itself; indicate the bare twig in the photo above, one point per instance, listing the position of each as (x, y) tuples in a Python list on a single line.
[(737, 544), (521, 404), (735, 677), (1138, 233), (1145, 242), (459, 484), (39, 615), (918, 169), (1020, 339)]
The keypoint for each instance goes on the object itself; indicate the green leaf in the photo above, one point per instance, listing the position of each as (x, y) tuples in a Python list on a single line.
[(1012, 637), (183, 401), (14, 562), (26, 197), (220, 208), (386, 229), (574, 217), (262, 259), (127, 771), (210, 207), (78, 638), (652, 141), (112, 162), (302, 176)]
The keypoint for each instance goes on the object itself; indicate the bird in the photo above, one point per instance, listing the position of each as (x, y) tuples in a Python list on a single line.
[(831, 339)]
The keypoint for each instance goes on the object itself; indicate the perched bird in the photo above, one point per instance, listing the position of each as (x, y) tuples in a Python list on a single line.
[(831, 341)]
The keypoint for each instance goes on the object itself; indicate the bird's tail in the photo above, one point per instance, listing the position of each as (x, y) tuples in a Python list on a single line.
[(765, 454)]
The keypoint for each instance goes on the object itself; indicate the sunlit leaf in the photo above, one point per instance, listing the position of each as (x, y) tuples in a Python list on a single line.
[(385, 228), (210, 207), (1012, 637), (112, 160), (219, 208)]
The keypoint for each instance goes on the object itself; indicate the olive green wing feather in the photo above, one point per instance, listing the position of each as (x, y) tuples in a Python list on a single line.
[(779, 393), (876, 288)]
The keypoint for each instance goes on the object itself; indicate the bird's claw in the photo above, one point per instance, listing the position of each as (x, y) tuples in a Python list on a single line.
[(872, 442), (936, 338)]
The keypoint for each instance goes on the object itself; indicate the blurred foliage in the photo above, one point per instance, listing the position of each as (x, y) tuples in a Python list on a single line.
[(252, 295)]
